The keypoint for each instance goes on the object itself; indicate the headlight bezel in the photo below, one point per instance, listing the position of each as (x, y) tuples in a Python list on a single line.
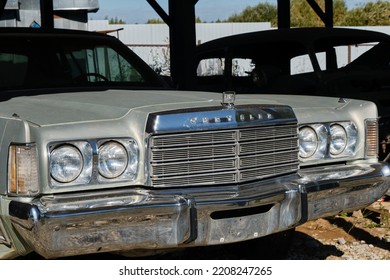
[(90, 174), (326, 134)]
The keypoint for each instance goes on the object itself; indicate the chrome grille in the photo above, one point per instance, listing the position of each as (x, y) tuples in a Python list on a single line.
[(223, 156)]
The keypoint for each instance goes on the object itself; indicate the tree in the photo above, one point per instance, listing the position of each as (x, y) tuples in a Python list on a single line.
[(377, 13), (263, 12), (160, 21), (116, 21), (155, 21), (302, 15)]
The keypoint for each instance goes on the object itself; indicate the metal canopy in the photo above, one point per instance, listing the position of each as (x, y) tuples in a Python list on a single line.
[(181, 21)]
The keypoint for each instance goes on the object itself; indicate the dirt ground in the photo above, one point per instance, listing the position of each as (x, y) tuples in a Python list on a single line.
[(363, 234)]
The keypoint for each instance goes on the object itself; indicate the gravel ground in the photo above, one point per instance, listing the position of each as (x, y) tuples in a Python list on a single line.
[(364, 235)]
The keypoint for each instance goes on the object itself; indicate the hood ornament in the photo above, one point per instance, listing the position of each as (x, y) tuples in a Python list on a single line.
[(228, 98)]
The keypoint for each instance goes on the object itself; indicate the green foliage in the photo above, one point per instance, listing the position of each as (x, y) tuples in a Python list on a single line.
[(160, 21), (303, 15), (372, 13), (155, 21), (116, 21), (377, 13), (263, 12)]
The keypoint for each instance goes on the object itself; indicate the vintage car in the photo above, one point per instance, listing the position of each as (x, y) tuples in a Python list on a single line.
[(98, 155), (337, 62)]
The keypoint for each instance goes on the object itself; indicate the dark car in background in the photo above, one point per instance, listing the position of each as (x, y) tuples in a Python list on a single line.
[(337, 62)]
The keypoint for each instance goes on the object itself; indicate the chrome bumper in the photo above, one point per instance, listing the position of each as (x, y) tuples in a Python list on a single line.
[(122, 220)]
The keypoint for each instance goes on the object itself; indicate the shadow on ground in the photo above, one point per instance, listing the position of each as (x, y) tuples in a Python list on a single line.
[(358, 233)]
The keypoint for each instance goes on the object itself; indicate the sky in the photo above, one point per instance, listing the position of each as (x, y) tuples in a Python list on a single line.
[(139, 11)]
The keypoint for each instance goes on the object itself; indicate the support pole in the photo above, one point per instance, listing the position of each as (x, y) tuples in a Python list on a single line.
[(47, 14), (182, 34), (327, 15), (2, 6), (284, 16)]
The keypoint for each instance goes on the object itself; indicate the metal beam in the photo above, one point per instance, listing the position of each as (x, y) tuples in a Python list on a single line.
[(2, 6), (182, 39), (182, 35), (160, 11), (182, 43), (47, 13), (284, 16), (327, 15)]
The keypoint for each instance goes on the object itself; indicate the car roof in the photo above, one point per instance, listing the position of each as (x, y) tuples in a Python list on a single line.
[(55, 32), (291, 36)]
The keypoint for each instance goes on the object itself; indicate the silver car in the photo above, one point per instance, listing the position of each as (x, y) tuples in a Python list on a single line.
[(98, 155)]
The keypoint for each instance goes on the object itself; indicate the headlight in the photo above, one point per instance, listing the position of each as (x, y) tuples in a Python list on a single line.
[(66, 163), (113, 159), (117, 160), (343, 139), (327, 140), (307, 142), (313, 141), (92, 162), (70, 163), (338, 139)]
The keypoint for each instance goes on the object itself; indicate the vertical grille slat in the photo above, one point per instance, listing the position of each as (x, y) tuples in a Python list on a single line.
[(223, 156)]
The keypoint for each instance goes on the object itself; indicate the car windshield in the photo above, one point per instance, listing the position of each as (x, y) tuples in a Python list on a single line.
[(57, 62)]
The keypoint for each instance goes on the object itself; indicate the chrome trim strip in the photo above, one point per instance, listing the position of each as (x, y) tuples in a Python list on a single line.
[(213, 118)]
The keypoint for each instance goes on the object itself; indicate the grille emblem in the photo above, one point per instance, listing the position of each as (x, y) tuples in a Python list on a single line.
[(228, 98)]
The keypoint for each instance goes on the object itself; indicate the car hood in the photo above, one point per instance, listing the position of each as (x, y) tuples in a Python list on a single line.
[(77, 107)]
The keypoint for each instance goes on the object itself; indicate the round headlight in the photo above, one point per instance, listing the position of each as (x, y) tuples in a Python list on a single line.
[(338, 140), (308, 142), (66, 163), (113, 159)]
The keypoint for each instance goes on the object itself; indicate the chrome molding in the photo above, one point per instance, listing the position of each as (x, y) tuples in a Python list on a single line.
[(213, 118)]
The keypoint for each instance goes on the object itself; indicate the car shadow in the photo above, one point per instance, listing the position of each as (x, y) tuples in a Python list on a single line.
[(358, 233), (305, 247)]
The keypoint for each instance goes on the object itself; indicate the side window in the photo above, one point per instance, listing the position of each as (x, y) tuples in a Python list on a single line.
[(301, 64), (339, 56), (211, 67), (348, 54), (101, 64), (242, 67), (13, 69)]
